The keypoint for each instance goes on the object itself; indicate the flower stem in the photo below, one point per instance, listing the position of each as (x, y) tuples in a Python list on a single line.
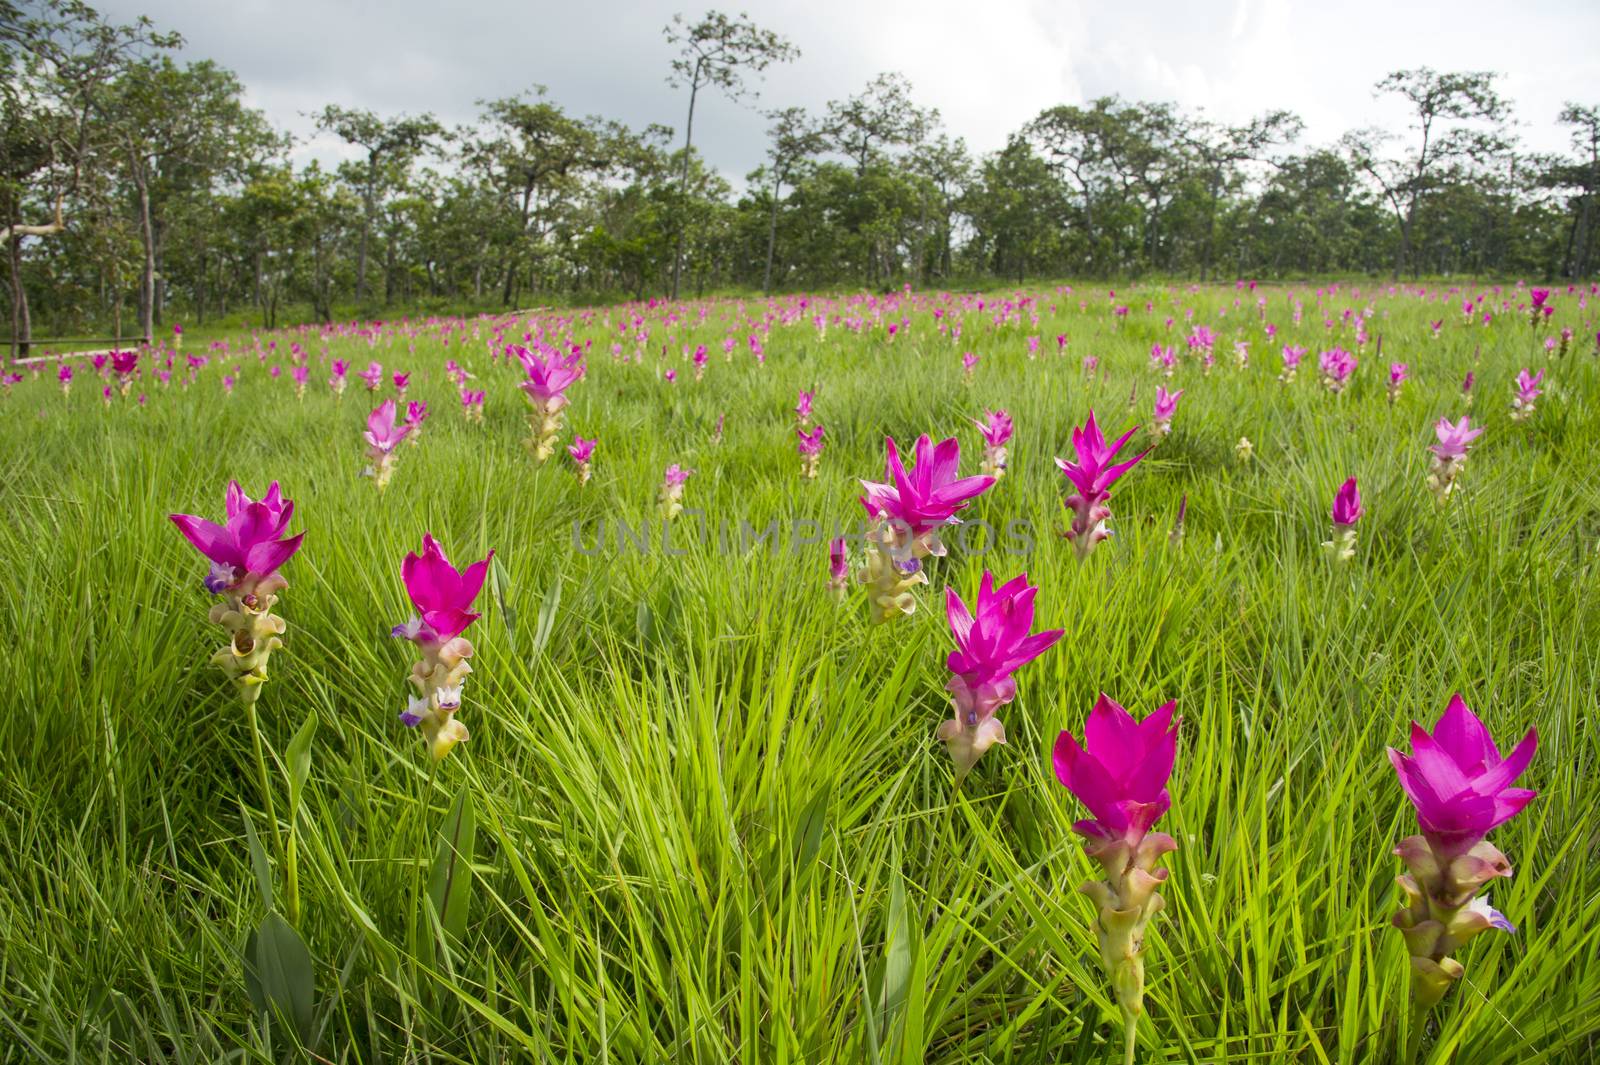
[(1130, 1024), (264, 780)]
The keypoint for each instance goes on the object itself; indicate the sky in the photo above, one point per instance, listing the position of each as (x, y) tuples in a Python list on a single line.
[(987, 66)]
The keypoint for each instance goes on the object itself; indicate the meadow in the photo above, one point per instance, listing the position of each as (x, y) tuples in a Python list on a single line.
[(703, 814)]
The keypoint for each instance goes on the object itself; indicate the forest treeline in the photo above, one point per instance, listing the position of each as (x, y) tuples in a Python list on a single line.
[(136, 187)]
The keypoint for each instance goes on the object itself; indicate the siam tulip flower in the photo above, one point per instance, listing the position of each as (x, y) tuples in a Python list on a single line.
[(670, 497), (1336, 365), (1462, 789), (1163, 358), (993, 641), (300, 374), (228, 381), (1449, 456), (177, 336), (1091, 364), (416, 414), (1527, 392), (1466, 387), (245, 554), (402, 381), (582, 452), (996, 428), (810, 445), (546, 388), (1161, 417), (1346, 512), (100, 362), (456, 374), (64, 375), (1399, 374), (1537, 309), (700, 359), (472, 404), (125, 364), (1091, 477), (802, 409), (373, 376), (443, 598), (8, 379), (105, 396), (671, 376), (1241, 354), (1244, 450), (1435, 327), (336, 380), (1564, 344), (838, 567), (1120, 773), (383, 436), (969, 364)]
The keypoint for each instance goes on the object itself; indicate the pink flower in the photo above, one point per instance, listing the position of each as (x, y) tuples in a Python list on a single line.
[(382, 434), (1092, 475), (580, 449), (1347, 504), (996, 427), (802, 409), (838, 563), (993, 641), (810, 443), (1457, 780), (1454, 439), (373, 376), (401, 381), (549, 378), (1166, 405), (1398, 373), (250, 546), (930, 494), (1538, 296), (442, 595), (676, 476), (1528, 388), (1120, 773)]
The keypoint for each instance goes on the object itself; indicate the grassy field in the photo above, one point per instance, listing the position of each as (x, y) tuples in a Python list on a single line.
[(703, 813)]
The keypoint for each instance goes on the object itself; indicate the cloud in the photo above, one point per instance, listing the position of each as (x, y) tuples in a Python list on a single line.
[(988, 68)]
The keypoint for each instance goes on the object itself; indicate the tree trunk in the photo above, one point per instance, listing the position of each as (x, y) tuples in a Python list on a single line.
[(147, 275), (683, 183), (367, 197)]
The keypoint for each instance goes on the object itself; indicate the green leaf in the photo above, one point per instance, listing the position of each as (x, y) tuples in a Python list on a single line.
[(451, 880), (809, 828), (300, 761), (547, 618), (502, 595), (258, 860), (278, 975)]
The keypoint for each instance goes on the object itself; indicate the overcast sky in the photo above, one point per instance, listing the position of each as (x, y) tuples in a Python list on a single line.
[(988, 66)]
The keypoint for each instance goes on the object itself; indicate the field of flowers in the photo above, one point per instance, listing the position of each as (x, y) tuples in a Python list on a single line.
[(745, 681)]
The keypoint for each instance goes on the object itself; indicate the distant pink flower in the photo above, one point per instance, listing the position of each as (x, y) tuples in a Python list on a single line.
[(580, 449), (402, 381), (1165, 407), (1528, 391), (548, 378), (1454, 439), (838, 565), (336, 379), (969, 362), (810, 443), (1336, 365), (802, 409), (1091, 477), (373, 376), (993, 641)]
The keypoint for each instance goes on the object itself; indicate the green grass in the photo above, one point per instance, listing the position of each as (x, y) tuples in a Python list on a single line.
[(712, 821)]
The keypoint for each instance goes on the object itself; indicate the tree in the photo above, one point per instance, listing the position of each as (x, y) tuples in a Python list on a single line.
[(795, 137), (1440, 102), (717, 52), (392, 143)]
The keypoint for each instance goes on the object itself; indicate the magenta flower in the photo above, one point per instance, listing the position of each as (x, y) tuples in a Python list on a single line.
[(993, 641), (247, 550), (1528, 391), (549, 378), (1399, 372), (677, 476), (802, 409), (416, 414), (1092, 476), (336, 379), (810, 443), (373, 376), (1120, 773), (670, 497), (382, 434), (1538, 296), (1454, 439), (996, 427), (1336, 365), (930, 495), (1165, 407), (443, 596), (969, 362), (64, 374), (1457, 780), (1462, 789), (580, 449), (838, 566), (1347, 504)]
